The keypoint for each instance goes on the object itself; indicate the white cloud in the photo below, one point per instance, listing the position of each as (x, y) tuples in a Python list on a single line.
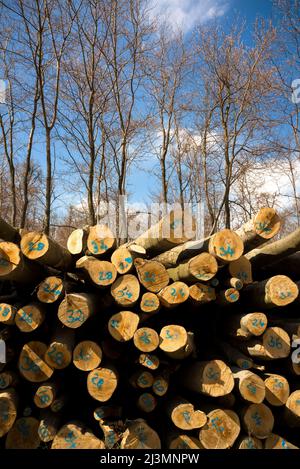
[(187, 13), (274, 177)]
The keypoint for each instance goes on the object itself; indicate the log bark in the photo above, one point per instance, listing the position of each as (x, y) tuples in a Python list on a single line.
[(173, 229), (275, 251), (225, 245), (199, 268), (8, 233)]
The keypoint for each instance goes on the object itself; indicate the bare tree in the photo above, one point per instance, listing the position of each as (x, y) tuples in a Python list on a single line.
[(85, 96), (167, 69), (47, 27), (237, 85), (128, 30)]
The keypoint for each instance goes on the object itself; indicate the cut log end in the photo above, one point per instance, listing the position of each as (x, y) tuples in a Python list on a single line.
[(100, 240), (123, 325), (150, 303), (140, 436), (292, 409), (152, 274), (277, 390), (126, 290), (24, 434), (174, 294), (34, 245), (149, 361), (147, 402), (251, 386), (241, 269), (87, 355), (277, 442), (203, 267), (221, 430), (45, 395), (267, 223), (258, 420), (7, 314), (75, 309), (201, 293), (250, 442), (30, 317), (75, 436), (50, 290), (185, 442), (8, 410), (102, 383), (276, 343), (76, 242), (226, 246), (146, 339), (173, 338), (31, 362), (122, 259), (185, 417), (280, 290)]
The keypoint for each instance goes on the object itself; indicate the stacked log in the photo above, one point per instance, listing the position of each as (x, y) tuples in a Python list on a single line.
[(164, 342)]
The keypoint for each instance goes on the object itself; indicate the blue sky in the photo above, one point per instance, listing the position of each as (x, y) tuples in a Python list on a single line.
[(188, 13)]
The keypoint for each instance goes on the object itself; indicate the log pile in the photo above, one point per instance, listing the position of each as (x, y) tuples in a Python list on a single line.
[(163, 342)]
